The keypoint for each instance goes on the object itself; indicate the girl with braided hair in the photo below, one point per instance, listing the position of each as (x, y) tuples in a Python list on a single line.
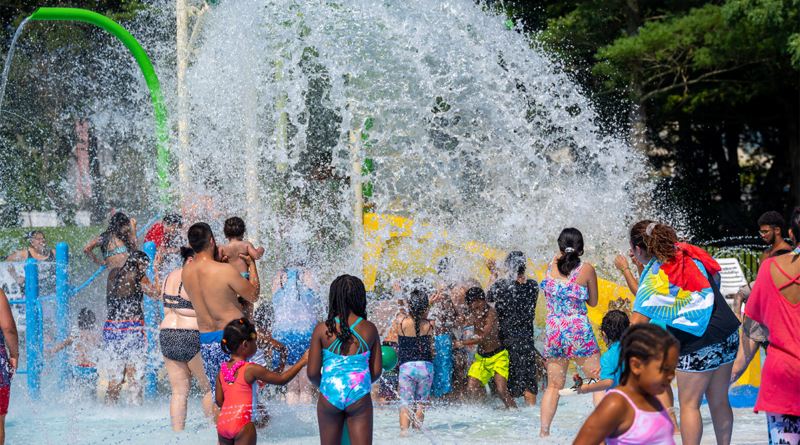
[(678, 287), (343, 362)]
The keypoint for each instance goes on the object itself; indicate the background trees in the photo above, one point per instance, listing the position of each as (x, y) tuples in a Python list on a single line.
[(709, 90)]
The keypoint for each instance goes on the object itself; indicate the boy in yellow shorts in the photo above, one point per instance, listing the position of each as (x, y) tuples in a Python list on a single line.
[(491, 359)]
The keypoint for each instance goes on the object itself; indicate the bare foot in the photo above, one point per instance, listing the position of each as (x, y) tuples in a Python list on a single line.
[(404, 433)]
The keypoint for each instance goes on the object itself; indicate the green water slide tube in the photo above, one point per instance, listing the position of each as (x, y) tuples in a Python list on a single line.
[(160, 112)]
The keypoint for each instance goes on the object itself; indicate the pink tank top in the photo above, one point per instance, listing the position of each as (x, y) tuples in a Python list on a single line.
[(647, 428)]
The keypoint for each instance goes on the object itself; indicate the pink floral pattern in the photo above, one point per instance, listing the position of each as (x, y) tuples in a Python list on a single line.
[(568, 332)]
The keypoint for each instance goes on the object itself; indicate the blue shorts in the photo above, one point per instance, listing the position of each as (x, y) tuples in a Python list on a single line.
[(85, 375), (212, 355), (125, 339), (296, 342), (442, 365)]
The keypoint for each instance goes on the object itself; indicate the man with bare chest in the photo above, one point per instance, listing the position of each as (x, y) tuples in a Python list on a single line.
[(214, 287), (491, 361)]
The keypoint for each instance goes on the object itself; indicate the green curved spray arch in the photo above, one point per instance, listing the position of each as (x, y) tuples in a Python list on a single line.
[(160, 112)]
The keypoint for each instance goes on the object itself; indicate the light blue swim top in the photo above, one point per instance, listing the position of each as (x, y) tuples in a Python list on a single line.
[(115, 251), (345, 378)]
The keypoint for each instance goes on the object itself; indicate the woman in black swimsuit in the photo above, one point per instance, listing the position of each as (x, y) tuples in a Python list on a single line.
[(44, 255), (180, 344), (115, 243)]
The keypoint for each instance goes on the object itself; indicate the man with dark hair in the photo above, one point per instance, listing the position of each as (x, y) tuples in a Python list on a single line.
[(168, 238), (515, 298), (771, 229), (214, 287), (491, 361)]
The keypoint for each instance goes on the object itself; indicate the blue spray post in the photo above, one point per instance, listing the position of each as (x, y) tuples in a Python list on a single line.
[(62, 308), (32, 326), (151, 313)]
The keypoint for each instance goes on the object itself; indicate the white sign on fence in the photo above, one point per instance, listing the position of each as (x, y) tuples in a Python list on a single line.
[(732, 276)]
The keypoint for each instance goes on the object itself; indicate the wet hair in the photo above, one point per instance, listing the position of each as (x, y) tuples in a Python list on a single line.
[(30, 236), (234, 227), (570, 243), (200, 236), (118, 227), (236, 333), (474, 294), (794, 224), (186, 253), (264, 316), (173, 219), (347, 295), (417, 306), (515, 262), (614, 325), (86, 319), (659, 242), (136, 258), (645, 341)]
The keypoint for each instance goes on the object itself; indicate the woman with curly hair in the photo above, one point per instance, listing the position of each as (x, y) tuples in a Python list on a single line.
[(676, 288)]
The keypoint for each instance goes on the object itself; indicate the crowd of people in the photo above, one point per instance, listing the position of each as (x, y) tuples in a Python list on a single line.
[(454, 340)]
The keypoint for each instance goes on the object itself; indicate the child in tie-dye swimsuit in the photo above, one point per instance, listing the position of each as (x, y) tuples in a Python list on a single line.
[(416, 361), (568, 288), (344, 361)]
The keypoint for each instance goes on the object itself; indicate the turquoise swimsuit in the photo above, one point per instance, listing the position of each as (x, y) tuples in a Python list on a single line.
[(345, 378), (115, 251)]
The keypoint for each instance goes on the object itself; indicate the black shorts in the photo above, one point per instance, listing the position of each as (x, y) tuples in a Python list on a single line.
[(523, 370)]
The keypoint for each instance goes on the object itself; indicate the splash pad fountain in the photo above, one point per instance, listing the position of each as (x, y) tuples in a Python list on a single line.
[(447, 127)]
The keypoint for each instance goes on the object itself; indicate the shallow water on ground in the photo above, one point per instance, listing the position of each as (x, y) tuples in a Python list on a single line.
[(56, 421)]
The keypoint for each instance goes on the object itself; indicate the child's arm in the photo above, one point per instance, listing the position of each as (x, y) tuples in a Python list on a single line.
[(314, 370), (220, 396), (62, 345), (252, 251), (602, 385), (604, 421), (257, 372)]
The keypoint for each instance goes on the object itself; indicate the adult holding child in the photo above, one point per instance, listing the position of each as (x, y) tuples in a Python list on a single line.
[(214, 288), (180, 344), (679, 287), (568, 288), (775, 303)]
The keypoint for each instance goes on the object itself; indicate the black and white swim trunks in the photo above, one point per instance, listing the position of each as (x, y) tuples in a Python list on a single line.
[(711, 357)]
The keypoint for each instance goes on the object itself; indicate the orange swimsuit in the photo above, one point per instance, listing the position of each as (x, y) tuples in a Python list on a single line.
[(237, 407)]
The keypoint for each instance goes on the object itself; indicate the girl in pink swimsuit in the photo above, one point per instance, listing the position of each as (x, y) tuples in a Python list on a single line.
[(235, 381), (631, 414)]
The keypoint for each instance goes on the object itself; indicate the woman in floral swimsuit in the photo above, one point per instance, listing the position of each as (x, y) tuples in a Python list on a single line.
[(568, 288)]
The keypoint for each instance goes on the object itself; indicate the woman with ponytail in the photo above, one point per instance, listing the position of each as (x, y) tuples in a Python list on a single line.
[(679, 287), (415, 357), (568, 288), (343, 362)]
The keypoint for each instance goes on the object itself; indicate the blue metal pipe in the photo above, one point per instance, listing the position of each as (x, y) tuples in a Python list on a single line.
[(33, 328), (62, 308), (151, 311)]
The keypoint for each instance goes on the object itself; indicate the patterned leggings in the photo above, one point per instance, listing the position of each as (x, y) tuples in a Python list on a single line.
[(415, 381), (783, 429)]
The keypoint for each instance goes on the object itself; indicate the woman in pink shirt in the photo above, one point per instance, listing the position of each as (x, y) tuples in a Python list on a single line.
[(775, 303)]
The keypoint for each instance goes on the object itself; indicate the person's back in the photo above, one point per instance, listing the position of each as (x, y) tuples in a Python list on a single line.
[(124, 296), (775, 302), (343, 362), (515, 303)]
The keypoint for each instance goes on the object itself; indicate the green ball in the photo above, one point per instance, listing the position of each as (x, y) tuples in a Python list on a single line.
[(389, 358)]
